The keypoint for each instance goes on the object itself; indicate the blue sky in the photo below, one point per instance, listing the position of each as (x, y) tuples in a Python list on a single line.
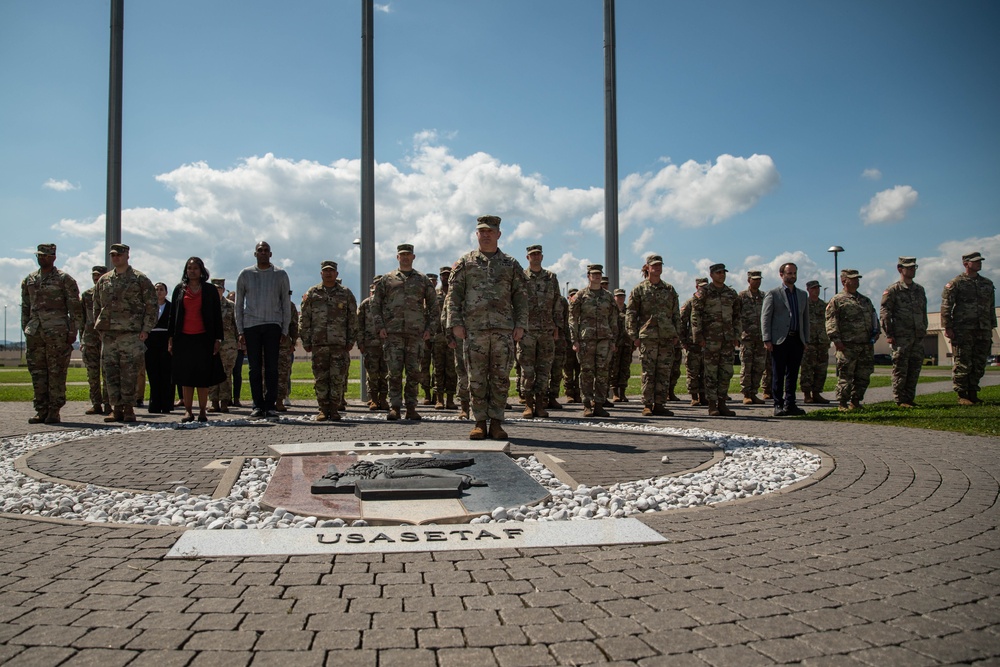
[(748, 133)]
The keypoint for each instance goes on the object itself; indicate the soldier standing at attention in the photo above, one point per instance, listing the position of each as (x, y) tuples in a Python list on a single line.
[(124, 313), (621, 365), (904, 322), (222, 393), (488, 309), (329, 327), (969, 316), (852, 324), (559, 354), (427, 355), (50, 319), (754, 356), (571, 365), (695, 358), (715, 328), (370, 345), (653, 318), (90, 348), (536, 351), (593, 330), (445, 374), (404, 308), (286, 355), (817, 353)]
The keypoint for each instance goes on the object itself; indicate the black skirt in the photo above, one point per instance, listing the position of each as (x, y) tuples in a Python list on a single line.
[(194, 365)]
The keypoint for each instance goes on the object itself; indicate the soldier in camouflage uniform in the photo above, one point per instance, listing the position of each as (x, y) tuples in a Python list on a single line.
[(286, 355), (427, 356), (593, 330), (852, 324), (90, 348), (404, 307), (653, 318), (816, 356), (535, 352), (221, 394), (621, 365), (445, 377), (457, 349), (694, 360), (50, 319), (715, 327), (904, 321), (754, 357), (969, 316), (329, 328), (488, 309), (124, 313), (571, 365), (559, 354), (370, 346)]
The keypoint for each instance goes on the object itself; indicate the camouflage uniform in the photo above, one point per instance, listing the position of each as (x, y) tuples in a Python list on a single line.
[(571, 365), (458, 355), (90, 347), (374, 359), (755, 362), (904, 319), (695, 359), (445, 375), (815, 358), (621, 365), (715, 325), (124, 307), (559, 353), (487, 296), (329, 327), (50, 319), (593, 327), (653, 318), (968, 308), (536, 350), (851, 320), (286, 355), (221, 394), (406, 307)]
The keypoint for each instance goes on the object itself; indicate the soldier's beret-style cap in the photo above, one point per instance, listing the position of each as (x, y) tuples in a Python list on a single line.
[(753, 274), (907, 262), (488, 222), (619, 292), (444, 270), (654, 259), (46, 249), (534, 248), (328, 264), (219, 282), (595, 268), (849, 273), (118, 248), (812, 283), (717, 267), (974, 257), (404, 247), (100, 268), (700, 281)]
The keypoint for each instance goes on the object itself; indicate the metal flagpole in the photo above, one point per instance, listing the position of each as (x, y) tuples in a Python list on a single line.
[(367, 160), (113, 211), (610, 150)]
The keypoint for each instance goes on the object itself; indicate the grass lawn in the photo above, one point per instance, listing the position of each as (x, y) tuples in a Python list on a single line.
[(939, 412)]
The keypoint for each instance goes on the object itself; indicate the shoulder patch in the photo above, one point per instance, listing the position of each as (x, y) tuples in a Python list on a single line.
[(947, 285)]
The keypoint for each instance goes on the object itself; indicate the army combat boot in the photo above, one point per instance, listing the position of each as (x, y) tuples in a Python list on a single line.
[(540, 401), (496, 430), (95, 409), (478, 431), (393, 414), (713, 409), (40, 416), (599, 410), (332, 413), (383, 404), (554, 403), (647, 410), (818, 398), (695, 400), (53, 416), (588, 408), (428, 399), (660, 410), (449, 403), (117, 415), (672, 396), (128, 414), (411, 412), (529, 407), (439, 404), (216, 407)]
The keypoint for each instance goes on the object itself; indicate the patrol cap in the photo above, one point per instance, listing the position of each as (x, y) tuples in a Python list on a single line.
[(404, 247), (595, 268), (534, 248), (753, 275), (849, 273), (974, 257), (605, 281), (654, 259), (488, 222), (100, 268), (907, 262), (328, 264), (377, 279), (444, 270), (46, 249), (698, 282), (118, 248), (219, 282), (431, 275), (619, 292), (717, 267), (573, 291), (812, 283)]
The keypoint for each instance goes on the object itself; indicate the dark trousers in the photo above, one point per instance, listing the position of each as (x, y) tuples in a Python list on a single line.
[(785, 361), (161, 392), (263, 343)]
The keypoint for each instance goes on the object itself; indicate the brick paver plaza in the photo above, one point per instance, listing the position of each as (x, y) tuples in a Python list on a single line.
[(891, 559)]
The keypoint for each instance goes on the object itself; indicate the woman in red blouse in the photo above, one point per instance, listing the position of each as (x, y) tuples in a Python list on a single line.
[(195, 337)]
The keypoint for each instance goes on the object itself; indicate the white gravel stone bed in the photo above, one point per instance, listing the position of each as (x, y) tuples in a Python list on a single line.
[(751, 467)]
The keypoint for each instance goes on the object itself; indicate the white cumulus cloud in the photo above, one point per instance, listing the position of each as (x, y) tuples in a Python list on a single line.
[(871, 174), (60, 186), (889, 205)]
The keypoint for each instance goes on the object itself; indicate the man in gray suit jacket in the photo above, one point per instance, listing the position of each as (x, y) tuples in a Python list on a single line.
[(784, 323)]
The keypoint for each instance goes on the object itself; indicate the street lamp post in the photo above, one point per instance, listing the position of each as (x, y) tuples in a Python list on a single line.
[(836, 250)]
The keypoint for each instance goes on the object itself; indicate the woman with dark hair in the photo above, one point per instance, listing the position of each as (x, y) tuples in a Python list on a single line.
[(196, 336), (161, 390)]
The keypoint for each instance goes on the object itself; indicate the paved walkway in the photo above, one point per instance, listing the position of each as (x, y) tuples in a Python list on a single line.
[(893, 559)]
